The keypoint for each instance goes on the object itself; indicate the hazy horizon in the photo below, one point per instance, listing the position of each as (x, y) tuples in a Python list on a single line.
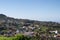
[(42, 10)]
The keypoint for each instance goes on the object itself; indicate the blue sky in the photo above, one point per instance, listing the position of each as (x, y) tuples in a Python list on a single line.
[(42, 10)]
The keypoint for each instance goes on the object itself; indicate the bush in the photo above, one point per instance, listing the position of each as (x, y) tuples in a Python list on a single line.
[(17, 37)]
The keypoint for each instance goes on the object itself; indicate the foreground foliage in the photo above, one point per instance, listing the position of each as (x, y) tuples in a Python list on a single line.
[(22, 37), (17, 37)]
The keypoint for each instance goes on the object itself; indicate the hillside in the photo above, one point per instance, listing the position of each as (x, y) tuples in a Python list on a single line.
[(11, 26)]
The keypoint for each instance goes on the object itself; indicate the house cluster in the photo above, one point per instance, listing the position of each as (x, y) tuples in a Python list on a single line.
[(56, 33), (27, 30)]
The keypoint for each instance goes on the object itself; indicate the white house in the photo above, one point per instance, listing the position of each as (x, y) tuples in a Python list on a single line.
[(17, 31), (28, 33), (56, 32)]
